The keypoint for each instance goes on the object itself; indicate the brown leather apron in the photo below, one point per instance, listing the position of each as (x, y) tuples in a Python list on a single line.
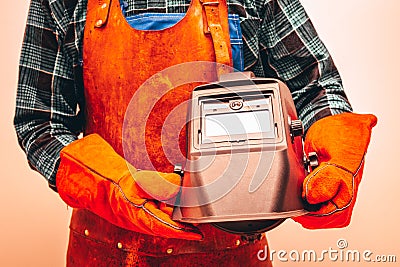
[(117, 61)]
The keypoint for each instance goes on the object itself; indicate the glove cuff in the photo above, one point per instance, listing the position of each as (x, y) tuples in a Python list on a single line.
[(341, 139)]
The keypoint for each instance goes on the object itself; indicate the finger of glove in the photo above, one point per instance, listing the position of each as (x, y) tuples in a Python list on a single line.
[(324, 209), (166, 208), (333, 220), (161, 224), (323, 184), (157, 185)]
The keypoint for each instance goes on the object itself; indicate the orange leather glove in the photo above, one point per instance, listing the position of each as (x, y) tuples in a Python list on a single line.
[(93, 176), (341, 142)]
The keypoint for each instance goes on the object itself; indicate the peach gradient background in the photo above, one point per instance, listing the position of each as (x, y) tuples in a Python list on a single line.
[(361, 35)]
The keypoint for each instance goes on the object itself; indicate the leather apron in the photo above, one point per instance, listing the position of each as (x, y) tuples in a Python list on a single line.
[(117, 61)]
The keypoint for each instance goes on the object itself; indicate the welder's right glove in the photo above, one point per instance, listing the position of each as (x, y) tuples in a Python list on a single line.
[(93, 176)]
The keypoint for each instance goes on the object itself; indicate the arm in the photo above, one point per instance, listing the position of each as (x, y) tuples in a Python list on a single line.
[(290, 50), (47, 123), (46, 117)]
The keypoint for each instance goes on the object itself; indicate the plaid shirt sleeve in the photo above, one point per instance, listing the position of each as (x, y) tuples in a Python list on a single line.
[(46, 117), (281, 42)]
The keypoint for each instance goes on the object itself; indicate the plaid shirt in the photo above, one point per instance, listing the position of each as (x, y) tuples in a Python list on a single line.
[(279, 41)]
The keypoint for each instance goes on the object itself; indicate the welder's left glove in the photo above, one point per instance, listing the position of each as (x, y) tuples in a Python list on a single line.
[(341, 142)]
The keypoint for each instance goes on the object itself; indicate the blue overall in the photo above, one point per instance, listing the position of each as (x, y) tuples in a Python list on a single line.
[(160, 21)]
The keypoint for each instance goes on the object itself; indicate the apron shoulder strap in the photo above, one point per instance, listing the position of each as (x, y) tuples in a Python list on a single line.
[(213, 16), (102, 11)]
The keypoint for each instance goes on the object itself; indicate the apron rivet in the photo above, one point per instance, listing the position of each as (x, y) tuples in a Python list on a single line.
[(170, 250), (103, 6), (237, 243), (119, 245), (99, 23), (86, 232)]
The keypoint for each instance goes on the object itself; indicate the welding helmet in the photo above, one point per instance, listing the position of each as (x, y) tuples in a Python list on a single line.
[(245, 161)]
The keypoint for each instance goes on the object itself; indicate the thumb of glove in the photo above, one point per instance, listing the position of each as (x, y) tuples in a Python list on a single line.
[(157, 185), (329, 183)]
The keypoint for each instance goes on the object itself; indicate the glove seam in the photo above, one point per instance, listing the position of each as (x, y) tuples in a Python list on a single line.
[(353, 187), (142, 206)]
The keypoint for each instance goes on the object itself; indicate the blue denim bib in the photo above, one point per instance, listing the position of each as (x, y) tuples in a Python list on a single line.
[(160, 21)]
